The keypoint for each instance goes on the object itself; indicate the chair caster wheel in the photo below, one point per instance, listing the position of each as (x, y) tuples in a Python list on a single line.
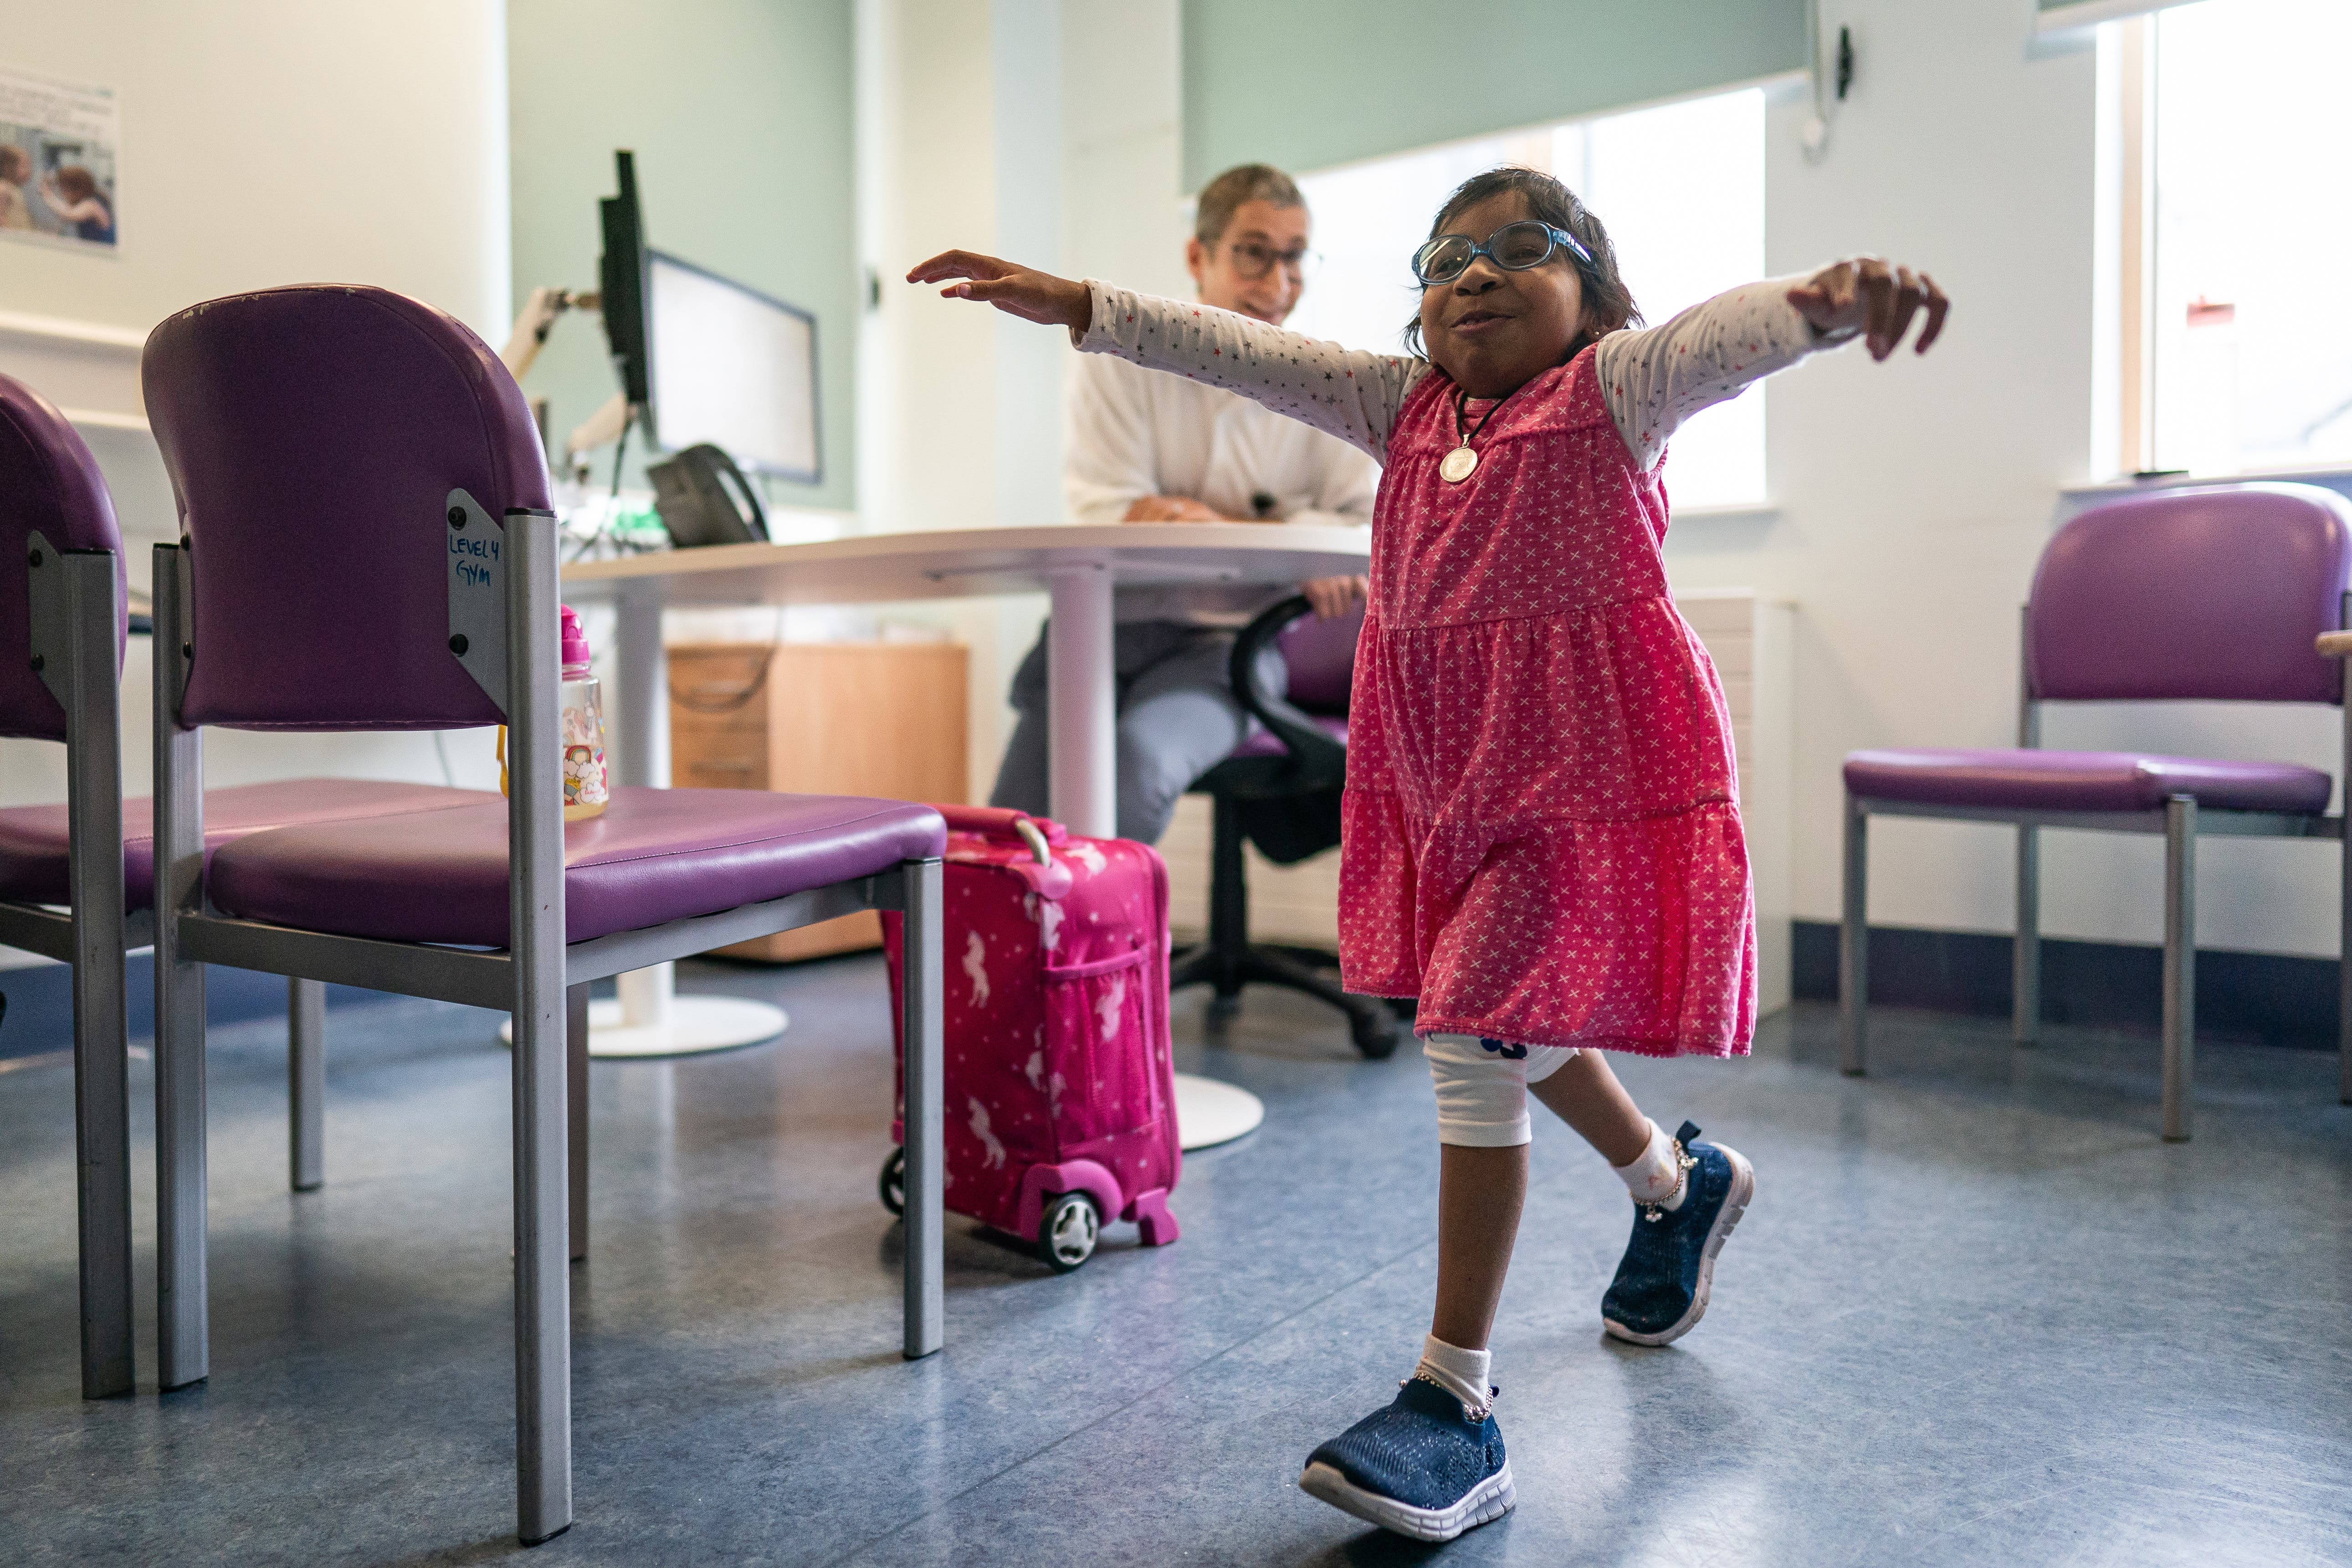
[(1375, 1034), (894, 1183), (1066, 1234)]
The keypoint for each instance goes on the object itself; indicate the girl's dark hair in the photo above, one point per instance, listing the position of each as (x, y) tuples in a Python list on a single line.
[(1606, 297)]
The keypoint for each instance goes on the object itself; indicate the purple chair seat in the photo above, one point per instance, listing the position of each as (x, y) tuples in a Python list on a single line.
[(33, 839), (655, 856), (1266, 743), (2016, 780)]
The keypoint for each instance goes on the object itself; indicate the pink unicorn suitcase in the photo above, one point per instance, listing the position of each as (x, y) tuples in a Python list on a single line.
[(1061, 1094)]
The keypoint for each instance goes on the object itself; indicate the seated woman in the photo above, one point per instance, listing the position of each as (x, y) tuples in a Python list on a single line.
[(1145, 448)]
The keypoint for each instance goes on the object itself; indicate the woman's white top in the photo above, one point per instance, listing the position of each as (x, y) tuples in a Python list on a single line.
[(1133, 433)]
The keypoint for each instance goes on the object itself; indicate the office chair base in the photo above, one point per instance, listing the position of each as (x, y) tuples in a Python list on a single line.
[(1370, 1023)]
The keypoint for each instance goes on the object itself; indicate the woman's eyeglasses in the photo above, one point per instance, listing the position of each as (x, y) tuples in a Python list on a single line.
[(1254, 261), (1514, 247)]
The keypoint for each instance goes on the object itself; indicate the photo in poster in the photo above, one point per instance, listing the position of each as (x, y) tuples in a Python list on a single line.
[(58, 141)]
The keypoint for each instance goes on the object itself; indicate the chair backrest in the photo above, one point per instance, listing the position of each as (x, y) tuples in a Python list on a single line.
[(2214, 592), (49, 485), (313, 434), (1321, 658)]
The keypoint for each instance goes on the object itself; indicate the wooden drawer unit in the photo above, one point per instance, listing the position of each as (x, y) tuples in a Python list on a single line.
[(875, 719)]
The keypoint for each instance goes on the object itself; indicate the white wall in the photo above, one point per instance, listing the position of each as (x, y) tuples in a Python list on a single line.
[(264, 142), (1915, 497), (964, 138)]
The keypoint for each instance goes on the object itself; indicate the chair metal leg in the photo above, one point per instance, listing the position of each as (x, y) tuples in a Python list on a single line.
[(2180, 963), (542, 1124), (74, 606), (2343, 938), (923, 1050), (2025, 978), (575, 1076), (1228, 949), (306, 1084), (183, 1327), (1853, 945)]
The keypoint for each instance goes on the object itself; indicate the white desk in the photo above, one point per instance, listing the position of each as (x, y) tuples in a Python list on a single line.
[(1078, 567)]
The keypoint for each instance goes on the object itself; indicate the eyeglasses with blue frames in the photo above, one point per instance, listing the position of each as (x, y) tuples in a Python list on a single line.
[(1514, 247)]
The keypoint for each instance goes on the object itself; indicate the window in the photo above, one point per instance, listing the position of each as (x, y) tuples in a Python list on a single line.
[(2247, 325), (1681, 189)]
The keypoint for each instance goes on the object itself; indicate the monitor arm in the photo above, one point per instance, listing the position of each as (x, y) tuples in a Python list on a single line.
[(537, 320)]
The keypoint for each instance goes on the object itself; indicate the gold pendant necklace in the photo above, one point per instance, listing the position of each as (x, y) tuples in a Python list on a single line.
[(1456, 466)]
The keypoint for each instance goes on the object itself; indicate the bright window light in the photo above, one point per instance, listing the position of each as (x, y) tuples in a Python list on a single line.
[(1681, 189), (2254, 162)]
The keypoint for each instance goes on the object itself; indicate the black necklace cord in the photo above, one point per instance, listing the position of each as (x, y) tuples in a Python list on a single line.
[(1461, 406)]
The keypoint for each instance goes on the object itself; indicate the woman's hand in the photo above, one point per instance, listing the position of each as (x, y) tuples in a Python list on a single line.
[(1172, 508), (1333, 596), (1880, 300), (1018, 290)]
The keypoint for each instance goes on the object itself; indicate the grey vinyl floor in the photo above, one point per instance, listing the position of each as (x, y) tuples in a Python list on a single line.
[(1978, 1313)]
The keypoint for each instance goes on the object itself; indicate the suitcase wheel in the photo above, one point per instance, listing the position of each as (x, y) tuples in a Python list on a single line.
[(893, 1182), (1065, 1235)]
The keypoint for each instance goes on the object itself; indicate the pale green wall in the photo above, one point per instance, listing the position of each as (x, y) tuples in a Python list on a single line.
[(740, 115), (1305, 84)]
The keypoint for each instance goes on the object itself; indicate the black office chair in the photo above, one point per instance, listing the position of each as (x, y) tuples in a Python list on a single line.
[(1279, 789)]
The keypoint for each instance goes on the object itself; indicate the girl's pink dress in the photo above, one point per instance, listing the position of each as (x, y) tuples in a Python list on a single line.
[(1542, 817)]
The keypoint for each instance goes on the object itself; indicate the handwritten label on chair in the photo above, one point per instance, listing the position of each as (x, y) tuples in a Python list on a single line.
[(474, 547)]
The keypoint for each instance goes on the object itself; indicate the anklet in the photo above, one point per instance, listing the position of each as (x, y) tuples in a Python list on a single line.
[(1655, 1209), (1475, 1414)]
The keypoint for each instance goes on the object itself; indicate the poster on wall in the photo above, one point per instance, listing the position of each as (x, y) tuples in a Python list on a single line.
[(58, 149)]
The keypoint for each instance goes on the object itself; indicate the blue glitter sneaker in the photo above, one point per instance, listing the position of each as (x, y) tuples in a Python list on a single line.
[(1425, 1466), (1660, 1291)]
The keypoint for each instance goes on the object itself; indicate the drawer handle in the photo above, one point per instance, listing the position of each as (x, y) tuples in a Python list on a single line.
[(723, 767), (735, 697)]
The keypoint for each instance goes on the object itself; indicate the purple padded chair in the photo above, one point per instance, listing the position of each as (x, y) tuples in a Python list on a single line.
[(2212, 593), (366, 545), (1281, 787), (61, 612), (62, 685)]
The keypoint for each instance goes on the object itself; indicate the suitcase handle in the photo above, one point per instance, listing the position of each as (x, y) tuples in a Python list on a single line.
[(997, 822)]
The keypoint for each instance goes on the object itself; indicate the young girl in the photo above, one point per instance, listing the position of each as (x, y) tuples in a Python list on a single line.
[(1542, 826)]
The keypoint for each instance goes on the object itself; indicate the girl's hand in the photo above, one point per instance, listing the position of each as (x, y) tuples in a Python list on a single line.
[(1880, 300), (1017, 290)]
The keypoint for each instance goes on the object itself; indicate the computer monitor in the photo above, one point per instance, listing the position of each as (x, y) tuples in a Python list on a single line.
[(621, 276), (703, 358), (734, 367)]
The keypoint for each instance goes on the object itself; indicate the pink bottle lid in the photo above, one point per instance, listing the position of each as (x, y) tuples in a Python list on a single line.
[(575, 646)]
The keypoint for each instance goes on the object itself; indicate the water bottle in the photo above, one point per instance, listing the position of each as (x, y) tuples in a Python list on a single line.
[(586, 788)]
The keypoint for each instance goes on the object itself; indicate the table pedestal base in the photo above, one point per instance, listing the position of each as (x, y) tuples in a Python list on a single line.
[(649, 1019), (694, 1023), (1209, 1112)]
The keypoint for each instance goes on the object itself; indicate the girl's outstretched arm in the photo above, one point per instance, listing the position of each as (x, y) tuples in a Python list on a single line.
[(1655, 378), (1342, 392)]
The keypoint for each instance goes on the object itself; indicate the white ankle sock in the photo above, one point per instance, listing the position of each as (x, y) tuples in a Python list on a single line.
[(1462, 1373), (1655, 1176)]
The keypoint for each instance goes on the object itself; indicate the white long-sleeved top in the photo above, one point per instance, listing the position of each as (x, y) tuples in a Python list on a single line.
[(1133, 433), (1652, 378)]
